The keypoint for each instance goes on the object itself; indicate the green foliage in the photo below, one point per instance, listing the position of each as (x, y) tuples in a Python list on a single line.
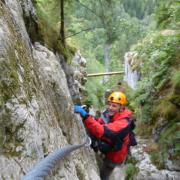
[(175, 95), (90, 25), (139, 8), (168, 146), (48, 13), (97, 23), (94, 87), (158, 54), (142, 101), (157, 159), (168, 14), (176, 80), (46, 19), (130, 172), (131, 169), (166, 109), (157, 100)]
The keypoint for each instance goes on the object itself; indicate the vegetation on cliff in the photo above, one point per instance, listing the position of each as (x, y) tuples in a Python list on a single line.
[(157, 99)]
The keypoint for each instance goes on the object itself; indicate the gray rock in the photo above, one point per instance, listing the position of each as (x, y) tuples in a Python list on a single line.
[(147, 170), (36, 115)]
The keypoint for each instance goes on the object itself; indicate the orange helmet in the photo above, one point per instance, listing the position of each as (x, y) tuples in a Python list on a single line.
[(117, 97)]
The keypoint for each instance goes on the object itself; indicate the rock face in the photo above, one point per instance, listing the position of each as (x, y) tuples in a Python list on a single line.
[(75, 75), (147, 170), (172, 164), (36, 108)]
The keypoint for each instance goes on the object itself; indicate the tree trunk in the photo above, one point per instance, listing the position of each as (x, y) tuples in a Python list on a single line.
[(106, 73), (62, 34)]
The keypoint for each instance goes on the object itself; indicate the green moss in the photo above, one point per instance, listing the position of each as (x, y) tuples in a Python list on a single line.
[(175, 95), (66, 51), (175, 99), (131, 169), (80, 173), (167, 107), (51, 40), (9, 85), (24, 60), (176, 79), (9, 79), (2, 136), (49, 36), (166, 110), (157, 159), (144, 130), (14, 62), (16, 55), (168, 145), (10, 138), (169, 133), (4, 122)]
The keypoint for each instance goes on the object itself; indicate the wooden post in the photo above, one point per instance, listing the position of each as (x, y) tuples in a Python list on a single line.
[(105, 74)]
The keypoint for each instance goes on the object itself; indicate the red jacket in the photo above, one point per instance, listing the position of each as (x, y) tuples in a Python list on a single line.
[(116, 124)]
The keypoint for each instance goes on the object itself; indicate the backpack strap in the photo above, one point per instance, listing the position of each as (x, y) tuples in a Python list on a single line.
[(132, 138), (131, 122), (114, 135), (116, 138)]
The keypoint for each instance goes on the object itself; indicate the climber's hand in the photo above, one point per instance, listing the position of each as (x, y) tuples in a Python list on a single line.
[(78, 109)]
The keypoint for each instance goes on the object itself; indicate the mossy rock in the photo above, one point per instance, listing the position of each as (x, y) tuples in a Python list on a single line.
[(166, 110), (175, 99), (175, 96)]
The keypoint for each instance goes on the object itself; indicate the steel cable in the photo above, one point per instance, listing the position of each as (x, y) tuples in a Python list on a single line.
[(47, 164)]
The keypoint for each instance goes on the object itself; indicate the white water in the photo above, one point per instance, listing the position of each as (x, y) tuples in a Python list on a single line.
[(131, 76)]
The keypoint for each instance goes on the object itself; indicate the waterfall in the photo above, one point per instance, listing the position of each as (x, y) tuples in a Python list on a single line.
[(132, 76)]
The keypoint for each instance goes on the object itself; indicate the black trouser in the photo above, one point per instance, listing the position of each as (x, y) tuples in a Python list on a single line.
[(107, 168)]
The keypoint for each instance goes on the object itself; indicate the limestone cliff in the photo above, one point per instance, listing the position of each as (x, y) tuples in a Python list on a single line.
[(36, 108)]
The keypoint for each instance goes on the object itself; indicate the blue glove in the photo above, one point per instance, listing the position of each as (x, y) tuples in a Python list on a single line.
[(81, 111)]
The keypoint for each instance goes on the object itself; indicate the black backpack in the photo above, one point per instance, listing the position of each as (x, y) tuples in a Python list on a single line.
[(132, 138), (117, 139)]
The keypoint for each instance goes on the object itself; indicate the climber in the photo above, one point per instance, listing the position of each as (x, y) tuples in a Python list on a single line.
[(113, 136)]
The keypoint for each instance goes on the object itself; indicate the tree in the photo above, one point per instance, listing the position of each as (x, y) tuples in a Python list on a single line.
[(62, 34), (139, 8), (103, 14), (104, 31), (167, 14)]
